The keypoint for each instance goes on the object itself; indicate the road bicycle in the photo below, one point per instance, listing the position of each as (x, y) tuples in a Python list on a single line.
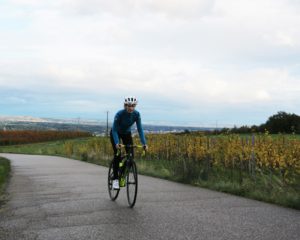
[(127, 175)]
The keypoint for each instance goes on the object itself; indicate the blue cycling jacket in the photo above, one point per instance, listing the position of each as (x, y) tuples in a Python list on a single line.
[(122, 124)]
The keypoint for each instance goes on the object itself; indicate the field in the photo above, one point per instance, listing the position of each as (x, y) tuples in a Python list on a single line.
[(32, 136), (258, 166)]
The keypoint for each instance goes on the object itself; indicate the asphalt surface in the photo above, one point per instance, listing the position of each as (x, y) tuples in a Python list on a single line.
[(59, 198)]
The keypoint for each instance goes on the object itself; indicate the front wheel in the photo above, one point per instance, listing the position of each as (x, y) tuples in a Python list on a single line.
[(113, 193), (132, 184)]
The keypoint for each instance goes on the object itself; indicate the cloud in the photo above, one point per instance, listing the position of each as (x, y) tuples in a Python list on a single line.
[(171, 8), (178, 8), (177, 81), (283, 39), (187, 54), (263, 95), (81, 105), (13, 100)]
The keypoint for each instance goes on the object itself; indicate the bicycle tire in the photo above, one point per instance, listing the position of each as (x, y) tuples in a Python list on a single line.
[(132, 184), (113, 193)]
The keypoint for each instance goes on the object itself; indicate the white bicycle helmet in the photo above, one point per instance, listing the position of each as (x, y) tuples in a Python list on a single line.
[(130, 100)]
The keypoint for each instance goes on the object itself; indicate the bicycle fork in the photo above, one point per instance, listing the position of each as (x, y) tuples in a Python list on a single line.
[(123, 173)]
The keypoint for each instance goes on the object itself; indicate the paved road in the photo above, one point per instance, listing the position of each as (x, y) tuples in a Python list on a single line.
[(58, 198)]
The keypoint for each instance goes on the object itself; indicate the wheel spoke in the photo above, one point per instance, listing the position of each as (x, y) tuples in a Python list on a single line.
[(131, 184), (112, 192)]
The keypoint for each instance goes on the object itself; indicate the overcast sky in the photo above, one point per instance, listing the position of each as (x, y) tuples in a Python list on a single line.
[(192, 62)]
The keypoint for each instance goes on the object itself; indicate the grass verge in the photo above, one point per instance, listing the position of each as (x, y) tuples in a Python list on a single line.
[(262, 189), (53, 148), (4, 174)]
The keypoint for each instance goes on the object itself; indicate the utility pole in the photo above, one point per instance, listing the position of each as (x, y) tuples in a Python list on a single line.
[(107, 123), (78, 122)]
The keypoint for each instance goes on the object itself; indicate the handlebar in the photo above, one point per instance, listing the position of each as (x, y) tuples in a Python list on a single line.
[(131, 146)]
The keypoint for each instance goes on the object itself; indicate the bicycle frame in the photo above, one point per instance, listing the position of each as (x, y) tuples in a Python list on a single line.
[(125, 164), (127, 175)]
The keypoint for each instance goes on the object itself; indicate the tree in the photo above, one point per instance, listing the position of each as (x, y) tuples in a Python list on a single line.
[(283, 122)]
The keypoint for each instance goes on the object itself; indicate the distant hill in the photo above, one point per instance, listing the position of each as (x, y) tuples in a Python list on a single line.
[(92, 126)]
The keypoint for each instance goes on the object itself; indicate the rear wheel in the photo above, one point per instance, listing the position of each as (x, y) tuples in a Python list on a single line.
[(113, 193), (132, 184)]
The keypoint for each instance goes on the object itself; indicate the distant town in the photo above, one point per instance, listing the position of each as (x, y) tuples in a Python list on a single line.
[(97, 128)]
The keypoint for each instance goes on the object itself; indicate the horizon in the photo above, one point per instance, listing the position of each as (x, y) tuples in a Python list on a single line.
[(79, 120), (191, 63)]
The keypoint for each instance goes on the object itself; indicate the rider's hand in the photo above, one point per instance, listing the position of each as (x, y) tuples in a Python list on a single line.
[(145, 147), (118, 146)]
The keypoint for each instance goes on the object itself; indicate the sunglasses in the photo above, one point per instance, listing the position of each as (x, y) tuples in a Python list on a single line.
[(131, 105)]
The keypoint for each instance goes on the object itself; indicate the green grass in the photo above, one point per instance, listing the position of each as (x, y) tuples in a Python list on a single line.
[(260, 190), (55, 148), (4, 172), (154, 168)]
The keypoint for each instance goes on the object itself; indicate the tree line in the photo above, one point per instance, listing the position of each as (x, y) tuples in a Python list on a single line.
[(281, 122)]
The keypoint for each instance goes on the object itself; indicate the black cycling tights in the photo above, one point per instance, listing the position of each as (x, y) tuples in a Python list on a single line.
[(126, 140)]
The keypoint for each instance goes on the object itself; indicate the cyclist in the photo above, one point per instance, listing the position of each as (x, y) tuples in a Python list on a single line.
[(121, 129)]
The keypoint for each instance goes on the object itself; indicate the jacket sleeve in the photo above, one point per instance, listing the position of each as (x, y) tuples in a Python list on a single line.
[(115, 129), (140, 129)]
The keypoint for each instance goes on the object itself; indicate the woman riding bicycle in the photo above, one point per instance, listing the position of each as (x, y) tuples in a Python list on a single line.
[(121, 129)]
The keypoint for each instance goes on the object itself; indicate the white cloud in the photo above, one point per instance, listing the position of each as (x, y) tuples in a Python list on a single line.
[(172, 8), (83, 104), (263, 95), (200, 52), (14, 100), (185, 9), (285, 39)]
